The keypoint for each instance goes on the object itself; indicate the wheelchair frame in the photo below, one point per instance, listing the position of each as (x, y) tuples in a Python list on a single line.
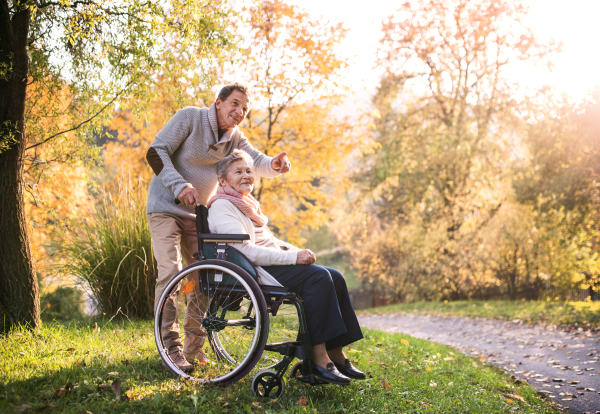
[(215, 254)]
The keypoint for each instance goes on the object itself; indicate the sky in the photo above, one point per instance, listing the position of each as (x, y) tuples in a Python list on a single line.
[(575, 22)]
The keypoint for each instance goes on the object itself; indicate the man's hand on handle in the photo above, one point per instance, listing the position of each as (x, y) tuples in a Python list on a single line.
[(189, 197), (305, 257), (281, 163)]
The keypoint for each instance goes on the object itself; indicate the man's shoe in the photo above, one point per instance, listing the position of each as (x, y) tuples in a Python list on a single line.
[(349, 370), (180, 362), (202, 358), (330, 375)]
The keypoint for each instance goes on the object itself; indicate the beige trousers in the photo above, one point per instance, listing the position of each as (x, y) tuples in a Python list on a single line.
[(174, 239)]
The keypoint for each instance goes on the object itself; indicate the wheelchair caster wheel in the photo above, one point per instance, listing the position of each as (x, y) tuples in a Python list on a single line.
[(265, 384), (296, 370)]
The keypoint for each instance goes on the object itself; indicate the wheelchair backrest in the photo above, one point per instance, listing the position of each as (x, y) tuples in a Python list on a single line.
[(208, 250)]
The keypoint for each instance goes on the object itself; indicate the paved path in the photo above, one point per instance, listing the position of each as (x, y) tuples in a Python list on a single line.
[(563, 365)]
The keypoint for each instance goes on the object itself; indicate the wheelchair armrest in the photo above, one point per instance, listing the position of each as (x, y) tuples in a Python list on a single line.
[(223, 238)]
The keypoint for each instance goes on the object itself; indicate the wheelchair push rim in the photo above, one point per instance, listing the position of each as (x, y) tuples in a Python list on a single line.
[(233, 314)]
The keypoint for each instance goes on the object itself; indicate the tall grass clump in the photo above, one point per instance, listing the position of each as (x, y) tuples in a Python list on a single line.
[(110, 251)]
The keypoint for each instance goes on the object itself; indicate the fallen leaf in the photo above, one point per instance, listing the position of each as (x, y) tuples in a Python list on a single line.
[(95, 328), (80, 363), (70, 349), (404, 362), (226, 404), (405, 342), (117, 331), (302, 401), (432, 384), (188, 287), (60, 391), (510, 401), (129, 395), (475, 364), (125, 362), (255, 404), (102, 386), (353, 351), (116, 387), (515, 396), (567, 399), (449, 359), (427, 368), (113, 374), (450, 384), (385, 385)]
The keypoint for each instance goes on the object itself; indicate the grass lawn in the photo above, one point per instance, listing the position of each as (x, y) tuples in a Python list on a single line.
[(70, 369), (583, 314)]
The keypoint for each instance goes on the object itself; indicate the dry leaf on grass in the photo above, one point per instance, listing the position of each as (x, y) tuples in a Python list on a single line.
[(102, 386), (70, 349), (385, 385), (113, 374), (352, 351), (515, 396), (432, 384), (449, 359), (20, 407), (405, 342), (428, 368), (188, 287), (302, 401), (80, 363), (117, 331), (116, 387), (60, 391), (95, 328), (255, 404)]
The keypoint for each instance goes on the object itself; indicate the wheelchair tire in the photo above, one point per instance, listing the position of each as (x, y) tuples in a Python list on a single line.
[(266, 384), (222, 302)]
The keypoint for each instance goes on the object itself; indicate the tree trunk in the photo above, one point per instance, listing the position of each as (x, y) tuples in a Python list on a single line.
[(19, 296)]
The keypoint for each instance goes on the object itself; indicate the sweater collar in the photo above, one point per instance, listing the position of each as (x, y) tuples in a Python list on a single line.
[(214, 125)]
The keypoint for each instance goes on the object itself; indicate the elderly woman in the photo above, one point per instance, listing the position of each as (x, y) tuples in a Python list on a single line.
[(332, 322)]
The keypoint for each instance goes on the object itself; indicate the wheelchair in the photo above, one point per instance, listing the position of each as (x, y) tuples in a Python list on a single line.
[(247, 327)]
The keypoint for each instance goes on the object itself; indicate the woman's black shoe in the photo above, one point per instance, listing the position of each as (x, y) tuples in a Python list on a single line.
[(349, 370), (330, 375)]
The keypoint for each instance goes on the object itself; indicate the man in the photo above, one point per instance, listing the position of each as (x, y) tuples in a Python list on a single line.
[(184, 157)]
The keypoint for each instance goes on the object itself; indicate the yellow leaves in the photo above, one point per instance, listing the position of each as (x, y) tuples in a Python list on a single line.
[(188, 287), (428, 368), (404, 342), (353, 351), (449, 359), (515, 396), (385, 385)]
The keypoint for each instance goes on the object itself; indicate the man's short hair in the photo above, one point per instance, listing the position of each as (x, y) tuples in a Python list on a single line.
[(228, 90)]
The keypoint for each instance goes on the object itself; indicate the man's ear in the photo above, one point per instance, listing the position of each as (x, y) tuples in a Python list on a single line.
[(218, 103)]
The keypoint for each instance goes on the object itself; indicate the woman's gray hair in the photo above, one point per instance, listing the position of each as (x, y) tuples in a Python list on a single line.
[(236, 155)]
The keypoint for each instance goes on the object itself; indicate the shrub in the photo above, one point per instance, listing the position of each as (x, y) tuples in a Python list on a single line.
[(110, 252), (65, 303)]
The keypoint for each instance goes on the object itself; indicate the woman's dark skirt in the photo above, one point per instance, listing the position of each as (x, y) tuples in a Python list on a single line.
[(329, 313)]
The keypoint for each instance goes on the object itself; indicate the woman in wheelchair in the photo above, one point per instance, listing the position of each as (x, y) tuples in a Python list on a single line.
[(332, 323)]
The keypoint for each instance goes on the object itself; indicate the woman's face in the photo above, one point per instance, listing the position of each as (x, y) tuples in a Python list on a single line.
[(239, 177)]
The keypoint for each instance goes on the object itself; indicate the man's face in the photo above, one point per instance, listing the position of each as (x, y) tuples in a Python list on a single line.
[(232, 111)]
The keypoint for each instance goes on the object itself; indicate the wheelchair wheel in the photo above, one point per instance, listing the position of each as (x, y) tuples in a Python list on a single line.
[(296, 370), (265, 384), (215, 313)]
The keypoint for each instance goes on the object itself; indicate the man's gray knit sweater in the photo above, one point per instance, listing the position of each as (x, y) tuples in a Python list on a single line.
[(186, 152)]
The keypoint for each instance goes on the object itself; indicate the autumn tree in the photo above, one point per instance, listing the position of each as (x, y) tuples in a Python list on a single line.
[(443, 117), (294, 72), (99, 50)]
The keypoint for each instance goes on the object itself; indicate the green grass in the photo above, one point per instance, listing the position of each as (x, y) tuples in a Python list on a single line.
[(583, 314), (34, 364)]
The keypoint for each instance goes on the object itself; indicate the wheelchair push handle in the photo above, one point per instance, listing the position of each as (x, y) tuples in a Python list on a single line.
[(197, 208)]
